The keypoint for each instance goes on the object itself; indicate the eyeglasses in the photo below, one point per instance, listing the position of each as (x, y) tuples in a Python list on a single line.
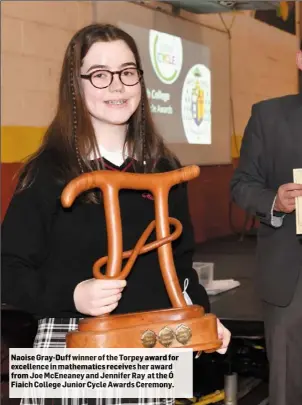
[(103, 78)]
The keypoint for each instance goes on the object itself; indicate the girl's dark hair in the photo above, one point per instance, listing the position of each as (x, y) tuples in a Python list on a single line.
[(70, 137)]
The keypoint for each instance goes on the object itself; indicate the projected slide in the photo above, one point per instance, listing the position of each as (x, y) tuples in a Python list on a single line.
[(178, 79)]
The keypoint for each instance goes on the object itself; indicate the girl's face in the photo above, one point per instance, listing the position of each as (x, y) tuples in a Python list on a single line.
[(115, 103)]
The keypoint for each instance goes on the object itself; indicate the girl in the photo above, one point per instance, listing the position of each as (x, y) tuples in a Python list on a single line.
[(103, 122)]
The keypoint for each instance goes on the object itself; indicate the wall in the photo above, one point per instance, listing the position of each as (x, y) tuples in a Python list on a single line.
[(34, 35), (264, 66), (34, 38)]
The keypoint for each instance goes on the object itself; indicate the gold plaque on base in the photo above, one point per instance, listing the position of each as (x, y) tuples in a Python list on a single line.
[(183, 334), (149, 339), (166, 336)]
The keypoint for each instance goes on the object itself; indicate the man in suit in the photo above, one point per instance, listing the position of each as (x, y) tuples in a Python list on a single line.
[(263, 185)]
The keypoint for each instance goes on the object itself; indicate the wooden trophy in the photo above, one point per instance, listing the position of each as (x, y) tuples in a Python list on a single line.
[(180, 326)]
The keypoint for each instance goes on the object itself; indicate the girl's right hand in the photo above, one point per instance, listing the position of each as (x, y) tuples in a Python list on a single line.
[(98, 297)]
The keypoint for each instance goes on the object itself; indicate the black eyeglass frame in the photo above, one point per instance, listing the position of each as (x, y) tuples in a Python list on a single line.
[(117, 72)]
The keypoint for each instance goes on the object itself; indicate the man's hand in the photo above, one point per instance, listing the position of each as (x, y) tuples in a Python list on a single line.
[(285, 201)]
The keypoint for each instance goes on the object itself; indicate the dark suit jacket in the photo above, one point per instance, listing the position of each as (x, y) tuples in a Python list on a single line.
[(271, 149)]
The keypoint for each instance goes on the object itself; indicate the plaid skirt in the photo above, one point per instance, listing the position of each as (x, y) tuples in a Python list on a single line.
[(51, 333)]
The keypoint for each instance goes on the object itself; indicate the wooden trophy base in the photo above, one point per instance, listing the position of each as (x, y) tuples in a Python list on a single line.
[(187, 327)]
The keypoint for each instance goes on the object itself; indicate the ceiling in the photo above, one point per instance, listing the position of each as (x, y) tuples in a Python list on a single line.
[(215, 6)]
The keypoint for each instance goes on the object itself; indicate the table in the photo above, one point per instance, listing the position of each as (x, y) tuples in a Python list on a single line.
[(240, 310)]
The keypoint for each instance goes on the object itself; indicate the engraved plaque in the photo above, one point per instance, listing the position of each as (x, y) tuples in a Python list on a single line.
[(183, 334), (166, 336), (148, 339)]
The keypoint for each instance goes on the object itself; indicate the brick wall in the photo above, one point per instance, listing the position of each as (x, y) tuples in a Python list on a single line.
[(34, 38)]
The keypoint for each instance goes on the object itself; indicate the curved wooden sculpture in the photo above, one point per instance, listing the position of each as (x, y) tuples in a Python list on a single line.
[(181, 326)]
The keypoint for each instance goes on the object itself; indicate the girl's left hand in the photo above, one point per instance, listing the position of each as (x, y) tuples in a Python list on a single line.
[(225, 335)]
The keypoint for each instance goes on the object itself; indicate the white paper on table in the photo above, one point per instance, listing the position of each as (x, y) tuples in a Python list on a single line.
[(297, 174), (220, 286)]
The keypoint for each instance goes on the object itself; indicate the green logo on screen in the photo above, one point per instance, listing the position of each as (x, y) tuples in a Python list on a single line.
[(166, 56)]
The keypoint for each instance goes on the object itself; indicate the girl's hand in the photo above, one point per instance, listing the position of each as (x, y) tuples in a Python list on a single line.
[(225, 335), (98, 297)]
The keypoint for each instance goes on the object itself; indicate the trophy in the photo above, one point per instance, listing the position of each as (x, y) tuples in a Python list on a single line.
[(182, 325)]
